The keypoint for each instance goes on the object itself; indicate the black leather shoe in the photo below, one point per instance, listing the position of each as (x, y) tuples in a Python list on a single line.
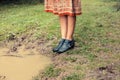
[(67, 45), (59, 45)]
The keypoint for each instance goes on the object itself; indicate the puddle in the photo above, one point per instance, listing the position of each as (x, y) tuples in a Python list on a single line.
[(21, 66)]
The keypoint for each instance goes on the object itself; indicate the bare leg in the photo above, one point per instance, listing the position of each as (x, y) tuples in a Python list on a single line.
[(63, 26), (67, 24), (71, 27)]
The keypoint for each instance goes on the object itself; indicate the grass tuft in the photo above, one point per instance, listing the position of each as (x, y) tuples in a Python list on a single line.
[(73, 76), (51, 71)]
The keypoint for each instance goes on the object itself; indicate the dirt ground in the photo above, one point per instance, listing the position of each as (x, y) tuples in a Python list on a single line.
[(19, 60), (67, 63)]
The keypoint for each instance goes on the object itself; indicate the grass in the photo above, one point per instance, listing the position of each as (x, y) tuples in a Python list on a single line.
[(97, 36), (19, 18), (71, 59), (72, 77), (51, 71)]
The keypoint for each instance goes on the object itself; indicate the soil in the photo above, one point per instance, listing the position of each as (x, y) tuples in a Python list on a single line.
[(19, 60)]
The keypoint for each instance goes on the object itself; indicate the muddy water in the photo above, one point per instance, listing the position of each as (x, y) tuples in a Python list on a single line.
[(22, 65)]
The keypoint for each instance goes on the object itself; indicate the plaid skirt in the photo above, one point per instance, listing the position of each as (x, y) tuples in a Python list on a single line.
[(63, 7)]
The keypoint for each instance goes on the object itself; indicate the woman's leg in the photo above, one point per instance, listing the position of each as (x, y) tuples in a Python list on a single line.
[(63, 26), (71, 27), (67, 24), (68, 34)]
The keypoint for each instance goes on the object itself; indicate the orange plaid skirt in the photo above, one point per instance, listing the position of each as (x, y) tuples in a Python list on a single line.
[(63, 7)]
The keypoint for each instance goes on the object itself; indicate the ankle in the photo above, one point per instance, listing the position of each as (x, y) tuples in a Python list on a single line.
[(69, 39), (63, 38)]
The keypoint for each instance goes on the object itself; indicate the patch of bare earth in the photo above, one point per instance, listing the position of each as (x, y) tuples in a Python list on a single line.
[(108, 72), (69, 63), (43, 46), (23, 54)]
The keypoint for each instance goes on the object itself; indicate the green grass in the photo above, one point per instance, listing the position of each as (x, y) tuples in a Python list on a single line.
[(73, 76), (19, 18), (71, 59), (97, 34), (51, 72)]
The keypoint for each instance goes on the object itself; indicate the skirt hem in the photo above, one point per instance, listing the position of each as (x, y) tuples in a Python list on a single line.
[(65, 13)]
